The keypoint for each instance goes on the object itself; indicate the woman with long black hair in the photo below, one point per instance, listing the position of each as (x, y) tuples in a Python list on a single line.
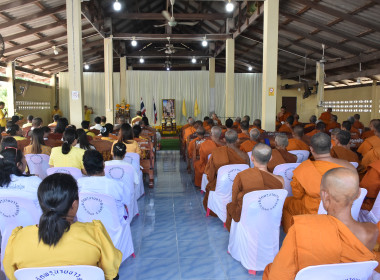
[(58, 240), (37, 146)]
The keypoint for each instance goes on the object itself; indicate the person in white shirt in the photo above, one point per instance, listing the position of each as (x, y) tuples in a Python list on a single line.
[(97, 182), (12, 180), (97, 125)]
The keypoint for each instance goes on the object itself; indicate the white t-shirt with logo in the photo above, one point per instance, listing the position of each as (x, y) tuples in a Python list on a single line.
[(22, 186)]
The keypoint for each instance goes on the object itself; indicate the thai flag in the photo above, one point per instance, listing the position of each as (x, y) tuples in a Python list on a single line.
[(154, 111), (142, 108)]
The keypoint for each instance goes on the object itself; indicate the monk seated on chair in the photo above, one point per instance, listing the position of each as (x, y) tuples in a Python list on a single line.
[(248, 145), (257, 124), (310, 126), (287, 126), (244, 126), (333, 123), (346, 125), (221, 156), (307, 179), (326, 239), (296, 143), (342, 149), (319, 127), (296, 120), (371, 131), (279, 154), (372, 142), (252, 179)]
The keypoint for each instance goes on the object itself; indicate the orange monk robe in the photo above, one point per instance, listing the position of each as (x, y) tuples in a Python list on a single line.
[(188, 131), (355, 134), (191, 147), (243, 135), (371, 182), (284, 116), (371, 156), (247, 146), (205, 123), (333, 143), (367, 134), (332, 125), (306, 183), (297, 144), (358, 125), (369, 144), (312, 133), (284, 128), (219, 157), (316, 240), (183, 130), (296, 122), (309, 125), (236, 125), (344, 153), (259, 129), (207, 128), (325, 117), (249, 180), (279, 157), (205, 149)]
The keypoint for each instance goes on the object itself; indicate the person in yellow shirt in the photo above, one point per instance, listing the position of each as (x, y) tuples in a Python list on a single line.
[(126, 137), (55, 120), (3, 114), (15, 131), (85, 125), (29, 120), (56, 111), (87, 113), (58, 239), (68, 155)]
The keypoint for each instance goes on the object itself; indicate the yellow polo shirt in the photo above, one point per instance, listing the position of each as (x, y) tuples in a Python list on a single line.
[(73, 159), (3, 121)]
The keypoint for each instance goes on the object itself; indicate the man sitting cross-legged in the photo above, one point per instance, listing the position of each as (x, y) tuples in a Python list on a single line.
[(252, 179), (307, 180), (326, 239)]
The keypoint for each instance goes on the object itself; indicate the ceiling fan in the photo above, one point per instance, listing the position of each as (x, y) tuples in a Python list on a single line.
[(170, 48), (171, 20), (323, 59)]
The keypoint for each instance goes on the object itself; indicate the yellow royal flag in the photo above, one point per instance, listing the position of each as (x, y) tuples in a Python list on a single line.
[(184, 113), (196, 108)]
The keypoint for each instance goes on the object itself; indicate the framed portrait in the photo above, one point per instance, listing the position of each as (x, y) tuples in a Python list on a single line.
[(168, 108)]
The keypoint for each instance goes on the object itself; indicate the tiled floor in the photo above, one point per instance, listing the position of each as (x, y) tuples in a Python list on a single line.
[(172, 237)]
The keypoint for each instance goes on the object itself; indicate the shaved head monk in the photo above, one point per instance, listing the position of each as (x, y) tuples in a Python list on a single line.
[(189, 130), (287, 126), (307, 179), (333, 134), (197, 141), (257, 124), (237, 123), (205, 149), (333, 123), (283, 115), (370, 132), (326, 239), (221, 156), (342, 149), (248, 145), (244, 126), (296, 120), (319, 127), (279, 154), (252, 179), (296, 143), (372, 142), (326, 116), (312, 120)]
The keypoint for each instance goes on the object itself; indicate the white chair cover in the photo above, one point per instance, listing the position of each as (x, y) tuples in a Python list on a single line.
[(340, 271), (75, 172), (355, 209), (254, 241), (14, 212), (218, 199), (125, 175), (75, 272), (38, 164), (355, 164), (302, 155), (94, 206), (134, 159), (204, 179), (372, 216), (286, 171), (250, 160)]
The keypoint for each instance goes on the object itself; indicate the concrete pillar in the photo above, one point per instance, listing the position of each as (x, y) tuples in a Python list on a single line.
[(123, 78), (320, 78), (108, 74), (74, 50), (211, 74), (270, 38), (11, 95), (230, 78), (54, 92), (375, 100)]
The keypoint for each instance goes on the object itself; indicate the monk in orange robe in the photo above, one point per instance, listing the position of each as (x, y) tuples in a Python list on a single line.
[(279, 154), (371, 142), (205, 121), (311, 125), (287, 126), (342, 149), (237, 123), (283, 115), (205, 149), (326, 239), (296, 143), (357, 124), (248, 145), (368, 133), (307, 179), (333, 123), (296, 120), (371, 182), (221, 156), (214, 117), (189, 130), (244, 126), (197, 141), (252, 179), (257, 125), (320, 127), (326, 116)]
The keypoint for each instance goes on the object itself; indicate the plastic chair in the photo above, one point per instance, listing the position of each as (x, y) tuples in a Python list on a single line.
[(340, 271), (254, 240), (204, 179), (355, 209), (94, 206), (124, 174), (14, 212), (355, 164), (38, 164), (250, 160), (372, 216), (285, 170), (74, 272), (134, 159), (302, 155), (75, 172), (218, 199)]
